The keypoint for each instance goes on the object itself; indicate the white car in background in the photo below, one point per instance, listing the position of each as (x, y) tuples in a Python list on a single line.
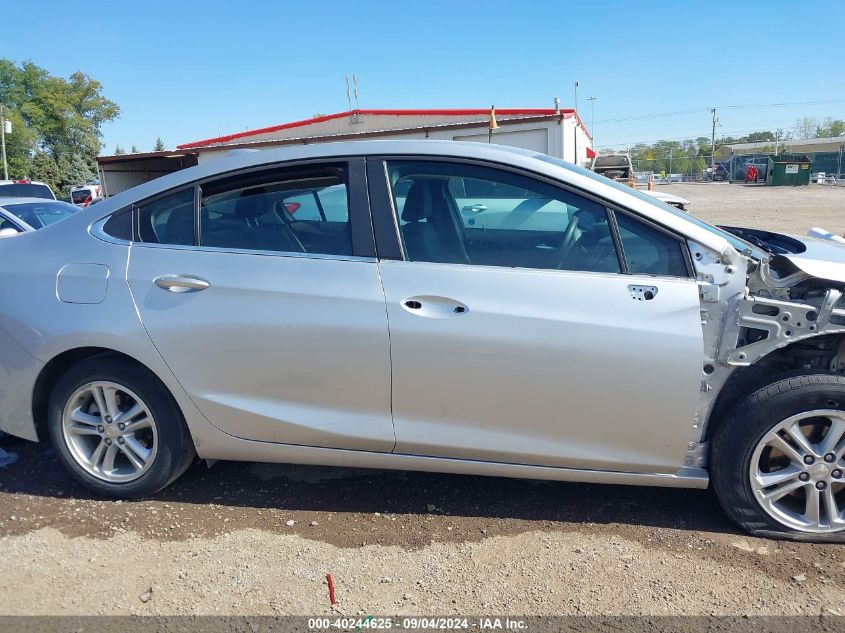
[(676, 201), (85, 195), (25, 188)]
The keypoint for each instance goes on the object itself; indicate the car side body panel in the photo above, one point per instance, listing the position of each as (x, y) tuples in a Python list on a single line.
[(543, 367), (37, 327), (277, 348), (42, 327)]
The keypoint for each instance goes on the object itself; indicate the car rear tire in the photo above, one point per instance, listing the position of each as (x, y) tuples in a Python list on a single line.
[(139, 446), (778, 459)]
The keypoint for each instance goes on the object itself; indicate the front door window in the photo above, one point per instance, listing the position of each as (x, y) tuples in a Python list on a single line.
[(467, 214)]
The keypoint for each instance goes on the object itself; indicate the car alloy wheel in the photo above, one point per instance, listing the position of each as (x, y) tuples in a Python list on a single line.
[(797, 471), (110, 432)]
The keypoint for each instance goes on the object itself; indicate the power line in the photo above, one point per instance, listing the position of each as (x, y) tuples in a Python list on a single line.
[(642, 117), (694, 131)]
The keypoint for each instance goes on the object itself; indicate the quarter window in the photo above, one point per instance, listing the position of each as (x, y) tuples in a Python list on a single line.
[(649, 251), (119, 225), (168, 220), (459, 213)]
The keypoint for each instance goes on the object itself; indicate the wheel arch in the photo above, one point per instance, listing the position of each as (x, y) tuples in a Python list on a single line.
[(60, 364), (819, 354)]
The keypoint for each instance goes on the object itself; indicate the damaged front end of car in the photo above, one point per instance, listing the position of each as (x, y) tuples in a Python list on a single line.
[(772, 309)]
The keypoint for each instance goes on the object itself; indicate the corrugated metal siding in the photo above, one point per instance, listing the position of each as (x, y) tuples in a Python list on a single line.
[(536, 139), (542, 136), (372, 123), (122, 175)]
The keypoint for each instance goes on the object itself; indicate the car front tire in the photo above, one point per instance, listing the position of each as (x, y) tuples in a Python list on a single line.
[(117, 429), (778, 459)]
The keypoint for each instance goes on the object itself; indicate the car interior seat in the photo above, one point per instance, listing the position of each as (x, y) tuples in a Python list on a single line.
[(433, 231)]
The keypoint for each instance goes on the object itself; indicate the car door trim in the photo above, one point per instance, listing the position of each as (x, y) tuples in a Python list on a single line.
[(220, 445), (360, 220), (388, 239)]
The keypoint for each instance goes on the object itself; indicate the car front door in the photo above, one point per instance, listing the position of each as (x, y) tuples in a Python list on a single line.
[(261, 292), (519, 331)]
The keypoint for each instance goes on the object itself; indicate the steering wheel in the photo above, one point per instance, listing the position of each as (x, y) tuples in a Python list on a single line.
[(568, 241)]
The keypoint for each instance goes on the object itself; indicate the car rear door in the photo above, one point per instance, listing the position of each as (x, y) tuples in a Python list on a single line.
[(518, 332), (261, 292)]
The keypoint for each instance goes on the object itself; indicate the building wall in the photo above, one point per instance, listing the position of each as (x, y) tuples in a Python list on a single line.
[(364, 123), (555, 137)]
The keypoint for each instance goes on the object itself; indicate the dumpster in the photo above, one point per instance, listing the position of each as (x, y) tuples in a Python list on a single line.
[(788, 170)]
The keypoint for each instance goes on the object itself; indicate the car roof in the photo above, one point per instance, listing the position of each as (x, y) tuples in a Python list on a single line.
[(517, 157), (25, 182)]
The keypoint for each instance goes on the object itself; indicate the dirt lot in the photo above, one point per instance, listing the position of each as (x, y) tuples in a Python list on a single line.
[(258, 538), (785, 209)]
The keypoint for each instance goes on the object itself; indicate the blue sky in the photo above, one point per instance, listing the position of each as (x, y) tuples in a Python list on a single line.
[(186, 70)]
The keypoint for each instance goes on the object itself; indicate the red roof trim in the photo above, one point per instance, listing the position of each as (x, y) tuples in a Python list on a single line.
[(565, 113)]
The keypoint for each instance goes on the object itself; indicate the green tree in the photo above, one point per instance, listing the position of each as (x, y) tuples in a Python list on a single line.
[(831, 127), (118, 150), (58, 116), (20, 145), (74, 170), (159, 145), (134, 149), (45, 169)]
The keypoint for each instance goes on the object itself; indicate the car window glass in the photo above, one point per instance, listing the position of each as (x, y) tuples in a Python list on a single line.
[(461, 213), (283, 212), (7, 224), (41, 214), (168, 220), (734, 241), (29, 190), (119, 225), (650, 251)]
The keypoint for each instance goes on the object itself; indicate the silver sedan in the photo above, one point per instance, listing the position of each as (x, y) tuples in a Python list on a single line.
[(434, 306)]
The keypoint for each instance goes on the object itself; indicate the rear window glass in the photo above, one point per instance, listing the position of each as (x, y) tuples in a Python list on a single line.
[(81, 196), (26, 190)]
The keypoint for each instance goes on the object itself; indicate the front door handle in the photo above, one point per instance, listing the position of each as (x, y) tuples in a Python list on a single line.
[(181, 283), (642, 293), (434, 306)]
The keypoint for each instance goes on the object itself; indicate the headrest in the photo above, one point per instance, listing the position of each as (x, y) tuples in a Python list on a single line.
[(419, 204), (251, 203)]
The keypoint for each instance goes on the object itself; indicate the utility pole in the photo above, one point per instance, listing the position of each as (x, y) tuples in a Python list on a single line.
[(713, 145), (670, 159), (592, 101), (3, 142), (575, 161), (777, 137)]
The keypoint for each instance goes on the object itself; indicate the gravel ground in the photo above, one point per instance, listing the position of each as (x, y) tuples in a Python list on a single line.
[(785, 209), (259, 538)]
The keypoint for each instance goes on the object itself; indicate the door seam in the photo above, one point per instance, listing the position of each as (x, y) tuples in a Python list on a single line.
[(389, 355)]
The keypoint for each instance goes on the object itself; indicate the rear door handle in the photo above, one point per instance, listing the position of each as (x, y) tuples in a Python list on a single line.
[(181, 283)]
